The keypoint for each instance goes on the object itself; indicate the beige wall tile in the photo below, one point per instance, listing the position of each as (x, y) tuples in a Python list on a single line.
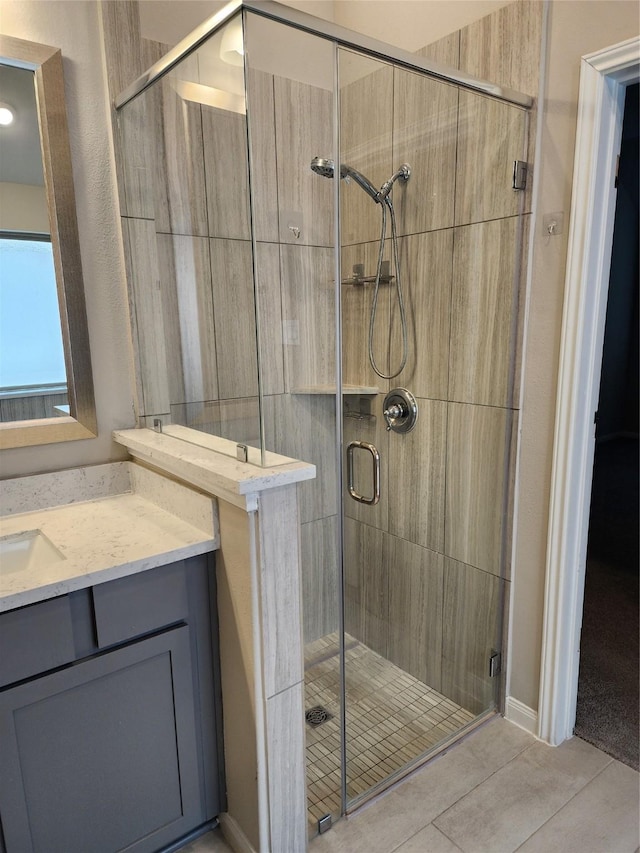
[(356, 313), (181, 199), (445, 51), (491, 136), (470, 632), (185, 282), (237, 420), (308, 314), (234, 317), (124, 62), (320, 580), (476, 460), (416, 478), (280, 589), (262, 134), (149, 337), (425, 117), (226, 171), (366, 114), (138, 158), (487, 46), (415, 609), (285, 753), (426, 266), (269, 313), (484, 308), (301, 193), (302, 426), (366, 581)]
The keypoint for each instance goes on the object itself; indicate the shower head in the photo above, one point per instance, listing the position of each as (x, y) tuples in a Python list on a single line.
[(326, 168)]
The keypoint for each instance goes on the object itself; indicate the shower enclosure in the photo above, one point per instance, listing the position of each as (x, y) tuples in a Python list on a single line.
[(332, 229)]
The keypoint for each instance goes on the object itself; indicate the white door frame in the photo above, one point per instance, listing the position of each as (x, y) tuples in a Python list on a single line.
[(603, 79)]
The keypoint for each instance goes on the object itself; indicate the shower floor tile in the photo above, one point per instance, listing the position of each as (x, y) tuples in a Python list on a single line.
[(392, 718)]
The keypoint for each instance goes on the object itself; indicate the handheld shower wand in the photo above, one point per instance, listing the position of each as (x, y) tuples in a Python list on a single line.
[(326, 168)]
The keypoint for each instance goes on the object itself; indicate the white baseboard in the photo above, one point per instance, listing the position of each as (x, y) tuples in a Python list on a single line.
[(521, 715), (233, 835)]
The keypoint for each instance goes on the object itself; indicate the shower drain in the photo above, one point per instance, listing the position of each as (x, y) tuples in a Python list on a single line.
[(317, 716)]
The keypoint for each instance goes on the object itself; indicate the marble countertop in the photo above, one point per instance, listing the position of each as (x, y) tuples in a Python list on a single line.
[(110, 537)]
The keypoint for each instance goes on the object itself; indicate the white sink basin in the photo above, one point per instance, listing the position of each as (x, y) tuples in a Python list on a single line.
[(27, 550)]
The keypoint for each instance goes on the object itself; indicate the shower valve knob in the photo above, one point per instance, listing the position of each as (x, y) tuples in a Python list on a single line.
[(400, 410)]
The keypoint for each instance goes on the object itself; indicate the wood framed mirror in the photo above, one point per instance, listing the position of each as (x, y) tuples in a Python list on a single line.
[(75, 418)]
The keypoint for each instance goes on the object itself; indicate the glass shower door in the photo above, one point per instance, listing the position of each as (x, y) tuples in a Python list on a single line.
[(429, 298)]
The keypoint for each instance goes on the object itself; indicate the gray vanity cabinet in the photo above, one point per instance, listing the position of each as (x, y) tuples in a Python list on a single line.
[(117, 749)]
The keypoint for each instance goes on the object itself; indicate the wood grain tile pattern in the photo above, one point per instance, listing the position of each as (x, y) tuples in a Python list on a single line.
[(280, 590), (366, 113), (285, 749), (484, 306), (425, 119), (234, 318), (476, 443), (226, 173), (181, 199), (185, 281), (487, 46), (303, 427), (238, 420), (444, 51), (320, 580), (417, 478), (366, 580), (269, 318), (415, 609), (302, 193), (308, 314), (426, 262), (262, 135), (472, 600), (491, 136), (356, 313), (147, 314)]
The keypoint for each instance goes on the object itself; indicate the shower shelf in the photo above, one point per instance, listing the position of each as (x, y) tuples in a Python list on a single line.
[(347, 390)]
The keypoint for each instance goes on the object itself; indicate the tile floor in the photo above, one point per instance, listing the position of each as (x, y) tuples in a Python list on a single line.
[(497, 791), (392, 718)]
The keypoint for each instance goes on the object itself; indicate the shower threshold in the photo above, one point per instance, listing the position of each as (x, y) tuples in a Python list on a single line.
[(392, 719)]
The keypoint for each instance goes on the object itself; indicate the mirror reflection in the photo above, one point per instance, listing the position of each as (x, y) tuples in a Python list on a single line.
[(33, 381)]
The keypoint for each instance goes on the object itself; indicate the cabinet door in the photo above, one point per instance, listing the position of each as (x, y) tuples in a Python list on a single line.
[(101, 757)]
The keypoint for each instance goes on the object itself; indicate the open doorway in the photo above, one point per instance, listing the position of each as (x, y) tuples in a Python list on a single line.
[(608, 685)]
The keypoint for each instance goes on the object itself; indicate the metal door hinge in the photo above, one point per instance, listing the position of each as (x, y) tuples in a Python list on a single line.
[(519, 174), (495, 663), (324, 824)]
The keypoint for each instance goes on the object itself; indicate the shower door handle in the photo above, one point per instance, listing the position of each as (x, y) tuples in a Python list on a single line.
[(375, 456)]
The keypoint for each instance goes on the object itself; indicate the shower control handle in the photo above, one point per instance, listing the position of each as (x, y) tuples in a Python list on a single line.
[(400, 410), (393, 413)]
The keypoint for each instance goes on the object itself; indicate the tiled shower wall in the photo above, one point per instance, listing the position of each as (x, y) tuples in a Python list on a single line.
[(422, 567)]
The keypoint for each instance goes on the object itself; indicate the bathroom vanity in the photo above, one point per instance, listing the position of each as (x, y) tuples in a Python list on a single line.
[(110, 715)]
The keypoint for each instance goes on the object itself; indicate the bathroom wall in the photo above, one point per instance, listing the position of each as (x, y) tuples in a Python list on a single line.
[(575, 29), (74, 27)]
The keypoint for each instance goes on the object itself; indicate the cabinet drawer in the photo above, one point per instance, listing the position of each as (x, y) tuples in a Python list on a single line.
[(140, 604), (35, 639)]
